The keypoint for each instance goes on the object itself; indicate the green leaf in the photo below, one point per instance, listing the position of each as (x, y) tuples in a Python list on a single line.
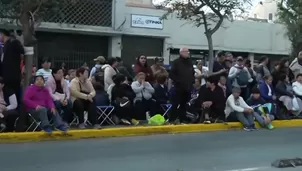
[(290, 14)]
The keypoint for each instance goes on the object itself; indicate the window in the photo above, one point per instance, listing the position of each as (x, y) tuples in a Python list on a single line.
[(255, 15), (270, 16)]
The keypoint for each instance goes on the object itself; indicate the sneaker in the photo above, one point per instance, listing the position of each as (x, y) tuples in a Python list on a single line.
[(270, 126), (97, 126), (62, 128), (134, 122), (253, 128), (48, 130), (66, 125), (2, 126), (207, 121), (219, 121), (247, 129), (124, 121), (82, 126), (148, 115)]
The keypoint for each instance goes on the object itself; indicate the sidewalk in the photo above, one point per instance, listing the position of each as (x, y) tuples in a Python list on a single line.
[(132, 131)]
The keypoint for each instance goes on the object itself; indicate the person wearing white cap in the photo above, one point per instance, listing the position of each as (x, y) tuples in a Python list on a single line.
[(99, 62)]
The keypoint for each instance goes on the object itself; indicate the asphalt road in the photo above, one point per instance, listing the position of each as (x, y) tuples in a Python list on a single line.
[(212, 151)]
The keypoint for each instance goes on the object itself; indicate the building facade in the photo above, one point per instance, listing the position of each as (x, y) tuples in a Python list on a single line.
[(266, 9), (129, 28)]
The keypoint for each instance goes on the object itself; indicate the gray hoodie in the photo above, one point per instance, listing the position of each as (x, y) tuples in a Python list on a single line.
[(142, 90), (234, 71)]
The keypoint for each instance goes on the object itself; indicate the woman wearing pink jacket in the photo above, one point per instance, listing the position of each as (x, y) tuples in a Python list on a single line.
[(38, 102), (59, 91)]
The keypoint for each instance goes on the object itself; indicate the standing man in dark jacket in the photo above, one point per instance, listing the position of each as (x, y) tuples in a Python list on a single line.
[(182, 75), (10, 62)]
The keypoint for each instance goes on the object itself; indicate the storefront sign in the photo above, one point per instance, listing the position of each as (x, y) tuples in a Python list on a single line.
[(146, 21)]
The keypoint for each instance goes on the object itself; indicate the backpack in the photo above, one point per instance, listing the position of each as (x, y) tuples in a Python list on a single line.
[(99, 74), (242, 78)]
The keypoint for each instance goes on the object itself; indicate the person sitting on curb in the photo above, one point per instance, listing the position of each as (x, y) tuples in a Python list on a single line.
[(297, 86), (213, 102), (286, 95), (267, 90), (237, 107), (263, 111), (39, 103)]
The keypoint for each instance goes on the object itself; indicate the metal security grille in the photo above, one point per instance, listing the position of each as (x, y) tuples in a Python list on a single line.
[(72, 49), (83, 12), (134, 46)]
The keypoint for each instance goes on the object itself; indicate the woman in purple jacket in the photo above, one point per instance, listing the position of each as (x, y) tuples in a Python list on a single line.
[(39, 103)]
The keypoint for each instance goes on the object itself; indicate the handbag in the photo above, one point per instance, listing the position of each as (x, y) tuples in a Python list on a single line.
[(84, 92)]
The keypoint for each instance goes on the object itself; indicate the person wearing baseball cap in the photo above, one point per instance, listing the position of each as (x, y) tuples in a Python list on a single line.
[(241, 77), (99, 62)]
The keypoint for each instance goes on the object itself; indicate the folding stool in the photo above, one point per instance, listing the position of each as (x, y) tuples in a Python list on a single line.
[(105, 114), (166, 108), (86, 121), (76, 121), (33, 123)]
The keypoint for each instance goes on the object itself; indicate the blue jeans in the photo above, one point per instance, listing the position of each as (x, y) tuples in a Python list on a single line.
[(247, 119), (260, 119), (42, 115), (65, 111)]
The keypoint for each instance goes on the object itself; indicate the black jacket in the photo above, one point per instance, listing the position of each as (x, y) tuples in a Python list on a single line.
[(123, 90), (281, 90), (10, 66), (182, 73), (161, 94), (216, 96)]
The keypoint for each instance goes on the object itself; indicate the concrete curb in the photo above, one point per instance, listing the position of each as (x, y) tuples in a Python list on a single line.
[(131, 131)]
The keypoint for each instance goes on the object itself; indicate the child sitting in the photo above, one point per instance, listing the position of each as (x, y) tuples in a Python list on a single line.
[(161, 94), (263, 110), (101, 98)]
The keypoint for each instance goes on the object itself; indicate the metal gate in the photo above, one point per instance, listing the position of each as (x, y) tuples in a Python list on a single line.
[(82, 12), (72, 49), (134, 46)]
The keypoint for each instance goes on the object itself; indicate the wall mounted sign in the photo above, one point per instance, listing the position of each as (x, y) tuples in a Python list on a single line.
[(146, 21)]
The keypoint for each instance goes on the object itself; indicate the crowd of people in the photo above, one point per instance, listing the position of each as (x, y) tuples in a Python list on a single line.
[(185, 93)]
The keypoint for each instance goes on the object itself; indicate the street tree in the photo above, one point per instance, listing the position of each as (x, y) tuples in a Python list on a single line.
[(207, 13), (290, 14), (27, 15)]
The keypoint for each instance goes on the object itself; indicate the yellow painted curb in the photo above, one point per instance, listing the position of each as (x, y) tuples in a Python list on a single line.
[(131, 131)]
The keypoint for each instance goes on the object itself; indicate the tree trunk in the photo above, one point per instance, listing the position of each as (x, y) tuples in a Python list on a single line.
[(28, 46), (211, 56)]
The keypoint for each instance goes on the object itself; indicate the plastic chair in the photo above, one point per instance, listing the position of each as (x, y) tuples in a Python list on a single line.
[(166, 108), (105, 114)]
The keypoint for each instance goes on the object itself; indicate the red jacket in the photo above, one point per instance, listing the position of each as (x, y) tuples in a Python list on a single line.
[(147, 70)]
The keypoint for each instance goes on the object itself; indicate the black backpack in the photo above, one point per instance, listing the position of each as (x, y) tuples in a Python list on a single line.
[(99, 74), (242, 78)]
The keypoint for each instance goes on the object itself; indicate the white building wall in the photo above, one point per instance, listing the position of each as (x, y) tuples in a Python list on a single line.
[(264, 8), (241, 36)]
